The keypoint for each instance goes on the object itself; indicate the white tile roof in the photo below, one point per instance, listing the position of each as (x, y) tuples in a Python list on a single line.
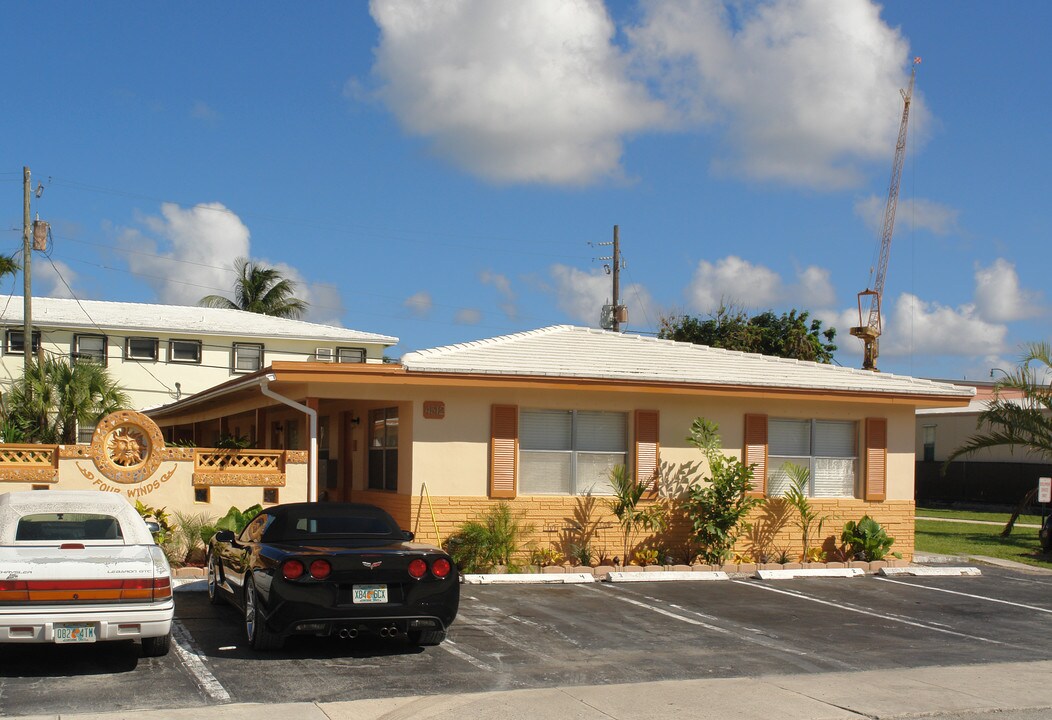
[(574, 352), (184, 319)]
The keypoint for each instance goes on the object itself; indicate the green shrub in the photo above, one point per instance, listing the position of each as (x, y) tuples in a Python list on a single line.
[(236, 520), (717, 511), (866, 539), (808, 519), (625, 505), (189, 537), (479, 546)]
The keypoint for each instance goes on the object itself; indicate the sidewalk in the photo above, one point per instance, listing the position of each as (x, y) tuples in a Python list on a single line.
[(932, 692)]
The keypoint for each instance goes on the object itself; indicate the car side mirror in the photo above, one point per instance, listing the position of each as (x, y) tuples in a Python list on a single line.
[(226, 536), (153, 526), (408, 536)]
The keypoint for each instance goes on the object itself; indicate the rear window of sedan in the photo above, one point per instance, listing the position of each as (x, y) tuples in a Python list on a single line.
[(47, 527)]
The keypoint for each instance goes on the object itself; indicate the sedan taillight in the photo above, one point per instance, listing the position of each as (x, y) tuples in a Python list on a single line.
[(320, 569)]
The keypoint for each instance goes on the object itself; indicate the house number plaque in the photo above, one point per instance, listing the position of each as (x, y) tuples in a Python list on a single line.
[(434, 409)]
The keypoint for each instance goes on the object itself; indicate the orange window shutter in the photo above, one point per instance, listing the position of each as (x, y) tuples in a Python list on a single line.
[(648, 448), (504, 451), (755, 452), (876, 459)]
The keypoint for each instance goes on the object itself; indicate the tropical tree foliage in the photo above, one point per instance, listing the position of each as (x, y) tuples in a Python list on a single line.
[(1021, 412), (627, 506), (260, 289), (8, 265), (48, 401), (788, 335)]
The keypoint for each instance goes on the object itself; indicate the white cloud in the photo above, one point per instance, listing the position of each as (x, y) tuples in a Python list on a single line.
[(917, 213), (806, 89), (511, 91), (582, 295), (999, 297), (503, 286), (733, 282), (468, 316), (53, 279), (187, 253), (923, 328), (813, 288), (419, 303)]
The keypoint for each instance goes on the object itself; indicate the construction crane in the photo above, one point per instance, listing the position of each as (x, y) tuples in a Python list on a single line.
[(869, 323)]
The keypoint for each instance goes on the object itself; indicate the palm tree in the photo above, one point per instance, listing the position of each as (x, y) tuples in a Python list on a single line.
[(8, 265), (1021, 418), (52, 397), (260, 289)]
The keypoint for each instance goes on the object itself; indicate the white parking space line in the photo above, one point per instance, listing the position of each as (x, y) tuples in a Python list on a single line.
[(191, 657), (451, 647), (968, 595), (677, 613), (866, 611)]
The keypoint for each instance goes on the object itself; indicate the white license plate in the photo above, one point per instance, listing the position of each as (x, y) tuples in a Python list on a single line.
[(365, 594), (74, 633)]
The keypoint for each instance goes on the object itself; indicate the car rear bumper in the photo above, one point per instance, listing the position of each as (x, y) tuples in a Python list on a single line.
[(37, 625)]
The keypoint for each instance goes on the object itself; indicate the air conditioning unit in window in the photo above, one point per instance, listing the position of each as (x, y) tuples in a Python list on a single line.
[(323, 354)]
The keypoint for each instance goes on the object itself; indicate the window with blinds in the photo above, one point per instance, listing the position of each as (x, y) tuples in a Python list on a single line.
[(567, 452), (827, 448)]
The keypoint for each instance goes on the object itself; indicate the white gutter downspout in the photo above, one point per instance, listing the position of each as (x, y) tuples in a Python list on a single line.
[(312, 456)]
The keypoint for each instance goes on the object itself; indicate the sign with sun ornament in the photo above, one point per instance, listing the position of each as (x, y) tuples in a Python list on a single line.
[(126, 447)]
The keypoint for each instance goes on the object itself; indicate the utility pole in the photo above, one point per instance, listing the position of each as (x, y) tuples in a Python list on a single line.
[(27, 284), (618, 312)]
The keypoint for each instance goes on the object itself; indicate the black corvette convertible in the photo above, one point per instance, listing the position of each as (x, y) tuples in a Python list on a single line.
[(332, 568)]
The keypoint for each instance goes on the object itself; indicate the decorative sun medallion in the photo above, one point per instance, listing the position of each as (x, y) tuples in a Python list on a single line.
[(126, 447)]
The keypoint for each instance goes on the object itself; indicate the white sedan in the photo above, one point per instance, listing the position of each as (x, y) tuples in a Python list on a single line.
[(81, 567)]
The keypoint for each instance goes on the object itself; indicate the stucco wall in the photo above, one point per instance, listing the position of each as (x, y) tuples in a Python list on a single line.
[(953, 430)]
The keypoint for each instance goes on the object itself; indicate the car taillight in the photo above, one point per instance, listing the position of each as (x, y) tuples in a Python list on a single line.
[(440, 568), (320, 569), (417, 568), (292, 569)]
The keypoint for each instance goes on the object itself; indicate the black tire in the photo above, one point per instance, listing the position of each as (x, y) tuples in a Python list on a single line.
[(259, 636), (426, 637), (156, 646), (215, 595)]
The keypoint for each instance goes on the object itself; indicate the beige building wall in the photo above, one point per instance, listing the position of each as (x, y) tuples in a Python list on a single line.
[(951, 430)]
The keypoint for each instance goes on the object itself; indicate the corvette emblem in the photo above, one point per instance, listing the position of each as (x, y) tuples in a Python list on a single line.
[(372, 565)]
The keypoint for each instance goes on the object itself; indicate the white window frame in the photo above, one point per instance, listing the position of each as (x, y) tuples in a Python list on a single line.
[(235, 356), (777, 480), (152, 356), (182, 341), (573, 452), (100, 356), (8, 349)]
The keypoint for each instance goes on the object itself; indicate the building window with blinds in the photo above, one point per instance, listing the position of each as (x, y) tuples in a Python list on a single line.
[(570, 452), (827, 448)]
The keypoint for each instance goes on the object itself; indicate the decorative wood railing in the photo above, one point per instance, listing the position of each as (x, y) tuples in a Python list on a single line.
[(29, 463), (243, 468)]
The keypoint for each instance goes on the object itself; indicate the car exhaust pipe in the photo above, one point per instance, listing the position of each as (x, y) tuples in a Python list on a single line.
[(383, 632), (348, 634), (393, 631)]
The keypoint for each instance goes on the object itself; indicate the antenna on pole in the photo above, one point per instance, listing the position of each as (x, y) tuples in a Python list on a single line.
[(615, 313)]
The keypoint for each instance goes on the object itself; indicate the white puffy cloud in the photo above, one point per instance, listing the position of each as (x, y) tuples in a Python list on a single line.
[(917, 213), (53, 279), (519, 91), (187, 253), (805, 88), (419, 303), (999, 297), (813, 288), (582, 295), (733, 281), (921, 328)]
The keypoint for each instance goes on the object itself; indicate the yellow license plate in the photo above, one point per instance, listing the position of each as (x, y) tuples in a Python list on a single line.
[(366, 594)]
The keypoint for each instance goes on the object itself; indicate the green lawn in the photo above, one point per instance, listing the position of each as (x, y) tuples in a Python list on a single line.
[(1001, 517), (948, 538)]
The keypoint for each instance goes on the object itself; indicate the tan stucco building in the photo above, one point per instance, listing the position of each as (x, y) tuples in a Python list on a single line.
[(538, 419)]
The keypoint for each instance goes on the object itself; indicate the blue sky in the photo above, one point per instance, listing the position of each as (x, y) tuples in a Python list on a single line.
[(437, 170)]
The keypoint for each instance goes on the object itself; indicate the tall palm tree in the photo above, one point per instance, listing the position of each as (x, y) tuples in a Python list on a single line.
[(8, 265), (1022, 418), (52, 397), (260, 289)]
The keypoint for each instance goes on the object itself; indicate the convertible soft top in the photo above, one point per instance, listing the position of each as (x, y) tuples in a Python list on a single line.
[(303, 521), (100, 506)]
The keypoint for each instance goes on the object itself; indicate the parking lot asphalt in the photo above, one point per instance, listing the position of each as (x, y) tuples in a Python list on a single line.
[(814, 645)]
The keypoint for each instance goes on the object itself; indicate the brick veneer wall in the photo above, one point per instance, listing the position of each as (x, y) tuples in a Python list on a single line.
[(553, 526)]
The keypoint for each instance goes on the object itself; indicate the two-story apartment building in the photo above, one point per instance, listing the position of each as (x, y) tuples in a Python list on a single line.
[(164, 353)]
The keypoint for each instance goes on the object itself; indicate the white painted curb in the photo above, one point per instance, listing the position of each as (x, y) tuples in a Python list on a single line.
[(189, 585), (931, 571), (678, 575), (524, 578), (810, 572)]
